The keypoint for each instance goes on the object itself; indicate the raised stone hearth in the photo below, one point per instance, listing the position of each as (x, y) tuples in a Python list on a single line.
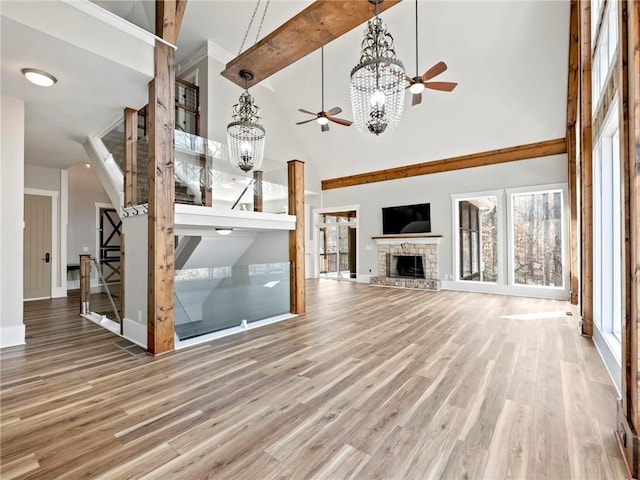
[(409, 261)]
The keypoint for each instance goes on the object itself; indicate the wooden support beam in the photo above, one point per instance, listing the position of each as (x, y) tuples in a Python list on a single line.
[(85, 282), (573, 90), (574, 230), (573, 84), (169, 14), (161, 121), (130, 157), (317, 25), (296, 237), (492, 157), (629, 410), (586, 171), (257, 191)]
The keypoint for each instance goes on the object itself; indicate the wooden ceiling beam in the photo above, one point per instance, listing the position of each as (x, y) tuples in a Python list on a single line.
[(317, 25), (492, 157)]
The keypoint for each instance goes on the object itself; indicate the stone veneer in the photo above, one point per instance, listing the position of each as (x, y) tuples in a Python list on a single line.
[(424, 245)]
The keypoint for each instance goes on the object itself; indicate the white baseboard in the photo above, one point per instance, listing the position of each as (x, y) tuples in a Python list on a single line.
[(135, 331), (363, 278), (12, 335), (516, 291), (58, 292)]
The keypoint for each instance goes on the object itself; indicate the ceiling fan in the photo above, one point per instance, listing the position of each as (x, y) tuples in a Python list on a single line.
[(418, 83), (323, 118)]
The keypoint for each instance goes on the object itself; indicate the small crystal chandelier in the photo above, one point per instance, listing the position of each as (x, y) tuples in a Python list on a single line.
[(245, 135), (378, 81)]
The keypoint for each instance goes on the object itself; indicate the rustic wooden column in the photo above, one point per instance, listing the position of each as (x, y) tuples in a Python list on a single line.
[(85, 282), (586, 171), (257, 191), (573, 90), (160, 130), (629, 408), (130, 157), (160, 313), (296, 237)]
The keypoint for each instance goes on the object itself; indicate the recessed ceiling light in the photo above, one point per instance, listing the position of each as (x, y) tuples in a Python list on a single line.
[(224, 231), (38, 77)]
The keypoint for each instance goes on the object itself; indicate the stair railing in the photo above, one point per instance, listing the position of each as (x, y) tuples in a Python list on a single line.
[(104, 284)]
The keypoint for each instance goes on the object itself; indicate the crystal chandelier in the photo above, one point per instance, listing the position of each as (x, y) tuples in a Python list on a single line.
[(245, 135), (378, 81)]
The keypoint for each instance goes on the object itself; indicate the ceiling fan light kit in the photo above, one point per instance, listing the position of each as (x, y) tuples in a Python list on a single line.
[(377, 81), (245, 134)]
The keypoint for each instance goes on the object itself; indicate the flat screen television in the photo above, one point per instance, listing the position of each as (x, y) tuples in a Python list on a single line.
[(406, 219)]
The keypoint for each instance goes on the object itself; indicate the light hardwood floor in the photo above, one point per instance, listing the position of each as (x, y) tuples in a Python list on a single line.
[(371, 383)]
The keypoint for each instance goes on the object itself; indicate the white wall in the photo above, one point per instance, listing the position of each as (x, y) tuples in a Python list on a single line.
[(268, 247), (436, 189), (12, 331), (85, 190), (135, 302)]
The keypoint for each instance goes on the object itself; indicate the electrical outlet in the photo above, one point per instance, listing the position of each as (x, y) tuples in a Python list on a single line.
[(85, 249)]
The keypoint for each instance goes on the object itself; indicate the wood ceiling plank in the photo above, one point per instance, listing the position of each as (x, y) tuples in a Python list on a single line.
[(317, 25)]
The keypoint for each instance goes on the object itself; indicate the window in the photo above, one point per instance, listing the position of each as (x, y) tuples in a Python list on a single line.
[(607, 227), (477, 221), (536, 226)]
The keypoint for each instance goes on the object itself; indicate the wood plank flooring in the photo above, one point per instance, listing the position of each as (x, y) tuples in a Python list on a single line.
[(371, 383)]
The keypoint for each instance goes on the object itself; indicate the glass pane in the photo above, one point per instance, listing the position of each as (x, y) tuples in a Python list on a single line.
[(466, 254), (211, 296), (537, 238), (489, 241), (464, 215)]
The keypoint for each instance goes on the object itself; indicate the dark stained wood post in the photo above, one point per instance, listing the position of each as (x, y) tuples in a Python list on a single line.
[(296, 237), (586, 171), (85, 282), (257, 191), (629, 408), (130, 157), (160, 128)]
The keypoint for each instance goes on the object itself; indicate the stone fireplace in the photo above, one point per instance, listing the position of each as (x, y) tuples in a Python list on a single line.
[(408, 261)]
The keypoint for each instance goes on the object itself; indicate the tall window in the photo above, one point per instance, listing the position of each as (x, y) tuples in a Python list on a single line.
[(607, 227), (536, 223), (477, 239)]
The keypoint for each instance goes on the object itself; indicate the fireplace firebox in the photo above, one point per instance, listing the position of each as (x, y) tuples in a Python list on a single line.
[(405, 266)]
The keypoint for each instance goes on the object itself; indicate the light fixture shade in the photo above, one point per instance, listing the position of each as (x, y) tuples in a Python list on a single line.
[(245, 135), (39, 77), (377, 82)]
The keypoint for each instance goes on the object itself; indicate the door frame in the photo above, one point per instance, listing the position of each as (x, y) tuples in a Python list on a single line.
[(55, 227), (316, 229)]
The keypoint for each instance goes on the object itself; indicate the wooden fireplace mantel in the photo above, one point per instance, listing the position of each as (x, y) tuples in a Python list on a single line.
[(417, 238)]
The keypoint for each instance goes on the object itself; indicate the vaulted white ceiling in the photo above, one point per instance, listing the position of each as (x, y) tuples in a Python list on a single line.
[(508, 57)]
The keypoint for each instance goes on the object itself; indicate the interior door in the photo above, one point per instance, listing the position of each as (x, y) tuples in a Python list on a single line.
[(37, 247)]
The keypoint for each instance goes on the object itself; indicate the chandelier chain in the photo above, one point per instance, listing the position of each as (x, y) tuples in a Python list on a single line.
[(264, 14), (253, 17)]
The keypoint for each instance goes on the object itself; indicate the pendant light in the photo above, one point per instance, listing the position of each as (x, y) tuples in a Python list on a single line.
[(377, 82), (245, 134)]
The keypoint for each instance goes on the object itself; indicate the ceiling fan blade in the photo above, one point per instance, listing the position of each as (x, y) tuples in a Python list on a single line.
[(437, 69), (334, 111), (417, 99), (408, 79), (307, 111), (325, 127), (340, 121), (306, 121), (442, 86)]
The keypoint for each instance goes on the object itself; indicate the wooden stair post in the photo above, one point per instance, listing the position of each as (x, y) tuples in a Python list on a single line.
[(257, 191), (85, 282), (296, 237)]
